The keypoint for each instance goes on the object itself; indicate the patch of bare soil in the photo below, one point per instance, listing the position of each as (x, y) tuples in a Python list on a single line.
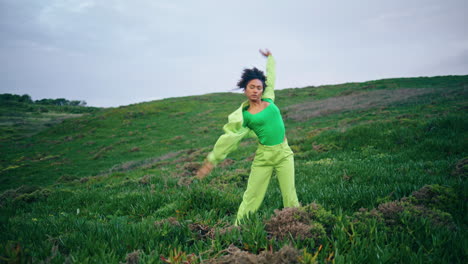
[(287, 254), (353, 101)]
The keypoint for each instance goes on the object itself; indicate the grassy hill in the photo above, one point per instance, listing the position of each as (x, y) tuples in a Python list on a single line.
[(380, 171)]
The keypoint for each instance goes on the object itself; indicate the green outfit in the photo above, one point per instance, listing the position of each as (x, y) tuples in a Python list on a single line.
[(267, 124), (273, 152)]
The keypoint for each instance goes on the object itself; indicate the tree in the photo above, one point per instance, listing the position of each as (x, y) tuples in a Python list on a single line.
[(25, 98)]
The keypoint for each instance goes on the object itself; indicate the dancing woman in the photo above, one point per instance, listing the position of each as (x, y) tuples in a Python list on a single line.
[(259, 115)]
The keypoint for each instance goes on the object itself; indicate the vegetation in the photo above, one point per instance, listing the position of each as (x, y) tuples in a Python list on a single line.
[(26, 99), (21, 116), (381, 172)]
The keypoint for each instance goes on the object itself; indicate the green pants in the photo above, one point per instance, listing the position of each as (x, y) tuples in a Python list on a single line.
[(268, 158)]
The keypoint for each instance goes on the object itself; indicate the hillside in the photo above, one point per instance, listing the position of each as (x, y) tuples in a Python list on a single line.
[(381, 166)]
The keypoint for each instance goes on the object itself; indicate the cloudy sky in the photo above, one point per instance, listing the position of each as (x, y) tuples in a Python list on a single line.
[(116, 52)]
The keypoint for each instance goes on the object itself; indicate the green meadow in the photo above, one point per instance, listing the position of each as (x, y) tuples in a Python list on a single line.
[(381, 173)]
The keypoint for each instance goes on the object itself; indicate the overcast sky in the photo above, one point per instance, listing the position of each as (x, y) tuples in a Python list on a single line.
[(116, 52)]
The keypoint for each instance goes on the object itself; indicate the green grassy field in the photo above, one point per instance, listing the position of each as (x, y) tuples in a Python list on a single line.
[(381, 172)]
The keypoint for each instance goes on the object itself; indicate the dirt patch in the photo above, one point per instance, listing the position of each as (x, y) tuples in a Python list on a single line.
[(353, 101), (287, 254), (145, 164)]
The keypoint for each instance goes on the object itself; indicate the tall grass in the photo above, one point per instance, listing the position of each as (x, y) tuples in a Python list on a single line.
[(113, 185)]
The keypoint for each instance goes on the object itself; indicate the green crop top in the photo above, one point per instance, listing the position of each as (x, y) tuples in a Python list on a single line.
[(268, 124)]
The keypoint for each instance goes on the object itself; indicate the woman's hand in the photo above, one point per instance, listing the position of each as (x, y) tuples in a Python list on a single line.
[(265, 53), (204, 170)]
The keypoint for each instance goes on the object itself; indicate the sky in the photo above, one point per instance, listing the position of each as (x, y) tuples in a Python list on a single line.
[(116, 52)]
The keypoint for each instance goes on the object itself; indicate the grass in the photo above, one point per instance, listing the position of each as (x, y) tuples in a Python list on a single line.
[(112, 185)]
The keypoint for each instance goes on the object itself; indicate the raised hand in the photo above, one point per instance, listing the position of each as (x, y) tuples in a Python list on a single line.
[(265, 53)]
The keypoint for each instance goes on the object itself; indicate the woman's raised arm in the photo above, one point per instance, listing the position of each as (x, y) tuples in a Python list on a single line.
[(269, 91)]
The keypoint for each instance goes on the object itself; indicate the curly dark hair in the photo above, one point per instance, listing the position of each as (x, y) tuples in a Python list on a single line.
[(251, 74)]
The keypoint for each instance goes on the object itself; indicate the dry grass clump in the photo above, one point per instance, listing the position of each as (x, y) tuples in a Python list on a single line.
[(203, 231), (237, 177), (289, 221), (430, 202), (310, 221), (178, 114), (185, 172), (134, 149), (364, 214), (185, 181), (101, 152), (391, 211), (435, 216), (317, 213), (426, 194), (317, 131), (34, 196), (24, 193), (322, 147), (286, 255), (171, 221), (133, 257), (226, 230), (13, 193), (434, 196), (189, 168), (191, 155), (227, 162), (67, 178), (461, 168), (89, 143), (84, 179), (145, 180), (171, 140)]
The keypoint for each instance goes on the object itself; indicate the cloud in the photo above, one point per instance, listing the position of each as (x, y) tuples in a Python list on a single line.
[(175, 48)]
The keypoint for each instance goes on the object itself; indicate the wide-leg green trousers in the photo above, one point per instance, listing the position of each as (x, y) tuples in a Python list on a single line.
[(278, 158)]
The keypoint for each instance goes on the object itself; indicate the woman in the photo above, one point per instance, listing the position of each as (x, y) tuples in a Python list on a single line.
[(261, 116)]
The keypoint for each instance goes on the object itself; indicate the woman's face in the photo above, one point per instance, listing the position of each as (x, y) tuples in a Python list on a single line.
[(254, 90)]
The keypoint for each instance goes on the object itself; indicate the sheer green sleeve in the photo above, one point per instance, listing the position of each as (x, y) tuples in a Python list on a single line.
[(234, 132), (270, 79)]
